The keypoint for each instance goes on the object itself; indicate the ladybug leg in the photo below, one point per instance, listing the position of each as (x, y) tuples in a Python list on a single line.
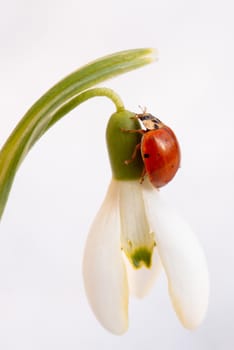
[(131, 131), (142, 175), (136, 149)]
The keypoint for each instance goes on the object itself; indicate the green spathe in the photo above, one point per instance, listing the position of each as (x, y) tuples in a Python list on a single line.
[(121, 146)]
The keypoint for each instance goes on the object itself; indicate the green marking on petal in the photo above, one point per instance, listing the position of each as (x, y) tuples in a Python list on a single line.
[(140, 257)]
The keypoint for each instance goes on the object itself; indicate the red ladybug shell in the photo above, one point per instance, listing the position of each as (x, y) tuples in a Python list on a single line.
[(161, 155)]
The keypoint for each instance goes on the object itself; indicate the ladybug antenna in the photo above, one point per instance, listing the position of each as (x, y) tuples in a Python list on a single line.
[(143, 109)]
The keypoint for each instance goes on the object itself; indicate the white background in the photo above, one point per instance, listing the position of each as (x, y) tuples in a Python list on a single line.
[(61, 184)]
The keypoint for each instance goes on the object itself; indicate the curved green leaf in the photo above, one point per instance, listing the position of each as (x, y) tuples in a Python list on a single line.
[(59, 100)]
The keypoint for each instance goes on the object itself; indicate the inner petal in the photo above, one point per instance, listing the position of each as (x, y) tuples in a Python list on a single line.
[(137, 239), (140, 281)]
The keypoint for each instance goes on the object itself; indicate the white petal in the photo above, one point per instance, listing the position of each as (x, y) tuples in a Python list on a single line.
[(136, 238), (103, 267), (182, 258), (140, 281)]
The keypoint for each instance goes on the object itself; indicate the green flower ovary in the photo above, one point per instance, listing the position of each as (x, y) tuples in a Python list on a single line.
[(121, 146)]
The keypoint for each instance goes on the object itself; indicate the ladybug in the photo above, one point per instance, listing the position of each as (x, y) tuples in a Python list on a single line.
[(159, 148)]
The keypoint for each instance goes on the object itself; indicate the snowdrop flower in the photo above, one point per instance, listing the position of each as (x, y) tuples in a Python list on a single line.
[(133, 234)]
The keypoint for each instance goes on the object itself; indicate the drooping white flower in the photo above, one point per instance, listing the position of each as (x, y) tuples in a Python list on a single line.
[(133, 234)]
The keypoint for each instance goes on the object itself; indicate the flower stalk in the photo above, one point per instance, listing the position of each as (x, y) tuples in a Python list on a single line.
[(58, 101)]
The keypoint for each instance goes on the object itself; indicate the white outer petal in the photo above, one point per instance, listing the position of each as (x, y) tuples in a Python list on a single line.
[(103, 267), (182, 258)]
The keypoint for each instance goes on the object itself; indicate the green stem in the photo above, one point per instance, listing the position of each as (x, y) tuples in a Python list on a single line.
[(77, 100), (59, 100)]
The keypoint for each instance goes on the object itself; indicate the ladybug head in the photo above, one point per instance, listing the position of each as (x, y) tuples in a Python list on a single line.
[(149, 121)]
